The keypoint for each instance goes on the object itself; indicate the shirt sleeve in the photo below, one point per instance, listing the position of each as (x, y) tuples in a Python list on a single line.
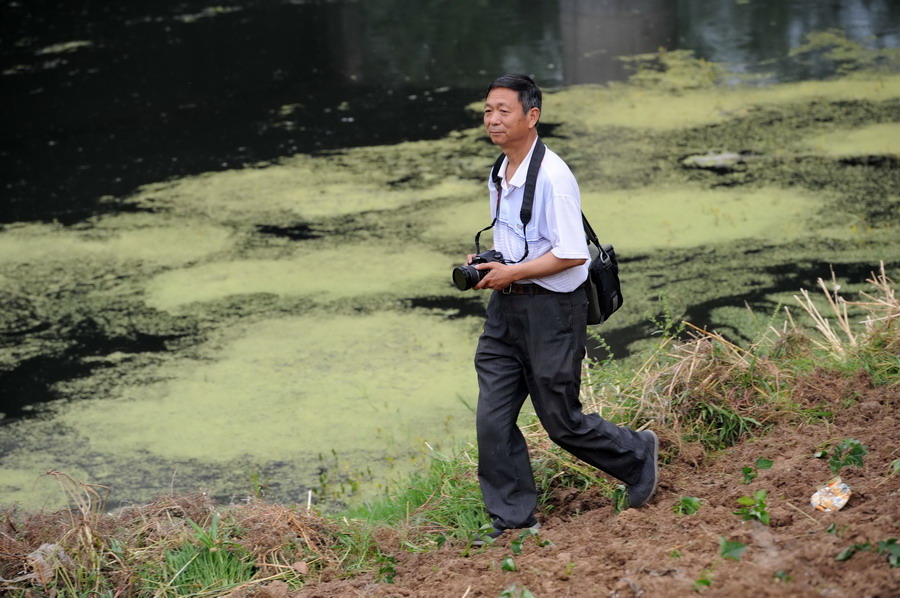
[(565, 228)]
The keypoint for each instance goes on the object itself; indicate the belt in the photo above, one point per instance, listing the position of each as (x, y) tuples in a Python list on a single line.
[(527, 289)]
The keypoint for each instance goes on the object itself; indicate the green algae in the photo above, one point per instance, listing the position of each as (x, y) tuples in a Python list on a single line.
[(674, 90), (651, 218), (29, 485), (672, 71), (455, 225), (591, 109), (300, 187), (263, 391), (844, 55), (118, 238), (873, 140), (268, 396), (324, 276), (271, 351)]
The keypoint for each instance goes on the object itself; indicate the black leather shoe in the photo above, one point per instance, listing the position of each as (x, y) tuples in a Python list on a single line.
[(645, 488)]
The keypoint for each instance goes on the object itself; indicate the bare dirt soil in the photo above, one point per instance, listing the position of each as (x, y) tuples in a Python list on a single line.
[(653, 551)]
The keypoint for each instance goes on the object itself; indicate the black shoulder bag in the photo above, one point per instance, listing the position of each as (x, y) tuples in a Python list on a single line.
[(604, 292), (603, 288)]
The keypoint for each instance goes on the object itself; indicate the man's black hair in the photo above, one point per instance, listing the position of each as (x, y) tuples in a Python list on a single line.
[(529, 92)]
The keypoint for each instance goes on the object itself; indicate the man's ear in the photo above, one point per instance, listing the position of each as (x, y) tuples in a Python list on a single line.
[(533, 116)]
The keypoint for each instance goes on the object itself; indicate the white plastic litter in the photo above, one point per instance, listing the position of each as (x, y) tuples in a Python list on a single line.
[(44, 562), (831, 496)]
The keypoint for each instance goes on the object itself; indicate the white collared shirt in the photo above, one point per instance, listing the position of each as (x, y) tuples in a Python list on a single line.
[(555, 225)]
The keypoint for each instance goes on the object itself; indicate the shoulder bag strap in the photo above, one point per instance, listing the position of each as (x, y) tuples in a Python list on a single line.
[(589, 231)]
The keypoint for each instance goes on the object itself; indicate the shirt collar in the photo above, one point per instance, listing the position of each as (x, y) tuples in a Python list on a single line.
[(522, 171)]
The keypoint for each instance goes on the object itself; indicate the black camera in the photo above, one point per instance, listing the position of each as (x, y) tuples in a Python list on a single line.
[(466, 277)]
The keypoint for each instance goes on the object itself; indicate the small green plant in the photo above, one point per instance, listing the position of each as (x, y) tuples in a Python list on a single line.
[(889, 548), (782, 575), (620, 499), (704, 581), (517, 544), (480, 537), (508, 564), (847, 553), (387, 568), (688, 505), (259, 487), (675, 553), (754, 507), (667, 324), (730, 549), (514, 591), (750, 473), (763, 463), (849, 453)]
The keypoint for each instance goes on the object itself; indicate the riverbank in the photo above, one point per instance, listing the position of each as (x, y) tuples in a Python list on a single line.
[(747, 437)]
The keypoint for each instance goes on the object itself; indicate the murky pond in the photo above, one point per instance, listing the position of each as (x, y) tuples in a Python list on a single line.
[(228, 230)]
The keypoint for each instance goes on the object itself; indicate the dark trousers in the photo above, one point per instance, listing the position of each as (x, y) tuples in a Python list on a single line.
[(534, 345)]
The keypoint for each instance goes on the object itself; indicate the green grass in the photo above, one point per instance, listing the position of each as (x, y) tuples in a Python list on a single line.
[(442, 502), (208, 563)]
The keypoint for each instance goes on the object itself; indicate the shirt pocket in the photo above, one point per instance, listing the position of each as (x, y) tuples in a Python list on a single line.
[(510, 215), (532, 232), (514, 223)]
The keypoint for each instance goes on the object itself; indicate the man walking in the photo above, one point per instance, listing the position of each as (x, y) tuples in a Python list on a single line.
[(535, 327)]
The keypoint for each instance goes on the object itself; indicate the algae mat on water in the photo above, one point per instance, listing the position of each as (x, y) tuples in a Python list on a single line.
[(291, 326), (287, 388), (267, 398)]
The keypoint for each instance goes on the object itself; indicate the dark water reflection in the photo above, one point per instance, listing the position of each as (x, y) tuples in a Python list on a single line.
[(100, 98)]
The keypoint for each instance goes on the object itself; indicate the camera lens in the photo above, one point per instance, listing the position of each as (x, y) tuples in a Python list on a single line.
[(466, 277)]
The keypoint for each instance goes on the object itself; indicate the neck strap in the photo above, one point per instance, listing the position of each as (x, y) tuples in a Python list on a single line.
[(537, 156)]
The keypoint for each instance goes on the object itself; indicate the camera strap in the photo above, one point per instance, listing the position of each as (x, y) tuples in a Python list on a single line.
[(537, 156)]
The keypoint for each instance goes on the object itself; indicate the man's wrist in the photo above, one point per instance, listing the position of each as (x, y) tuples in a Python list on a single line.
[(515, 273)]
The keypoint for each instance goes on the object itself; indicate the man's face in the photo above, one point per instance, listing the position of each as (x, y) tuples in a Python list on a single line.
[(504, 120)]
